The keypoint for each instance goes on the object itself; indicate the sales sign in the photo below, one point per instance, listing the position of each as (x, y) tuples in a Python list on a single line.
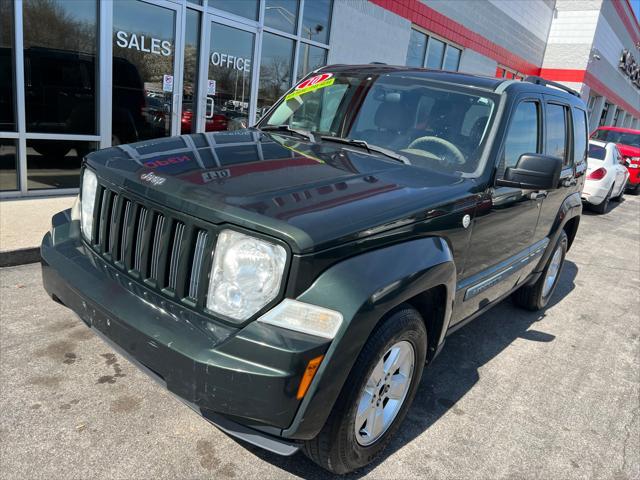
[(143, 44)]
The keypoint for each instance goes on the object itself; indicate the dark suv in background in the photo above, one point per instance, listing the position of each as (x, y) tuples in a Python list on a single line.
[(60, 97), (290, 281)]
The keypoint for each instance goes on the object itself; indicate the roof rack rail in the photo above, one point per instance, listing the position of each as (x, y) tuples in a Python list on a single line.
[(549, 83)]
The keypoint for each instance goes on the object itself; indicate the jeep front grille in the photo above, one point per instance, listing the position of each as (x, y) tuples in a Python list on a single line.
[(171, 253)]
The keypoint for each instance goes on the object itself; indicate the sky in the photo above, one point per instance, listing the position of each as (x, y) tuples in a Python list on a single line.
[(635, 5)]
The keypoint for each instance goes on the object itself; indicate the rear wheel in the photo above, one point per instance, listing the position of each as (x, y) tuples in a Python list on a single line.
[(620, 196), (376, 396), (535, 297), (603, 207)]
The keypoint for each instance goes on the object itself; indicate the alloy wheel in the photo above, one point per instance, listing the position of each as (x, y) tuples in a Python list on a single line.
[(384, 393), (552, 272)]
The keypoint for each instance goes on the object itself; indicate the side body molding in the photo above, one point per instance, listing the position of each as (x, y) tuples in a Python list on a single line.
[(363, 289)]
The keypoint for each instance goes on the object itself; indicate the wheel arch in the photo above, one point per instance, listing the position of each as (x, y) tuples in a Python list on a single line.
[(419, 273), (567, 220), (432, 307)]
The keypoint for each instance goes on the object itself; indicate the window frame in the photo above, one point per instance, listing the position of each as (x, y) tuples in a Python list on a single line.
[(573, 108), (447, 45), (538, 101), (567, 160)]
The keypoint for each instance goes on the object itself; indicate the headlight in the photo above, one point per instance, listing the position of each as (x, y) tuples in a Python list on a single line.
[(304, 317), (246, 274), (88, 202)]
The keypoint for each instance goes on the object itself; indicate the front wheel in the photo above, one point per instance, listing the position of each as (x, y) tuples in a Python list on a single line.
[(376, 396), (535, 297)]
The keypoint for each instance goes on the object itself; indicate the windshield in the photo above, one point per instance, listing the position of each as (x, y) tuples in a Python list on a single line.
[(624, 138), (436, 127)]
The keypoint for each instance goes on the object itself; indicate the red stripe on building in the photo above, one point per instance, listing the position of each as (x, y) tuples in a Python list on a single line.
[(433, 21), (628, 18), (562, 75)]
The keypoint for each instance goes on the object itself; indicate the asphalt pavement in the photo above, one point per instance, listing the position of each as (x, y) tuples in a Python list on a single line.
[(551, 395)]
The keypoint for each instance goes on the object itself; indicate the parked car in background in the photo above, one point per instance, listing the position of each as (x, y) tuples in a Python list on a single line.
[(214, 122), (628, 142), (606, 175)]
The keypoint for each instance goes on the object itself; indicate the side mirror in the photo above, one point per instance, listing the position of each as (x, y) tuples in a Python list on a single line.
[(533, 172)]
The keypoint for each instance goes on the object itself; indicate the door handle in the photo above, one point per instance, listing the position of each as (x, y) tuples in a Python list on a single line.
[(538, 195)]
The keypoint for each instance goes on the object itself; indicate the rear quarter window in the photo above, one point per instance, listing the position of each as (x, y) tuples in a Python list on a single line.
[(556, 128), (597, 152), (579, 135)]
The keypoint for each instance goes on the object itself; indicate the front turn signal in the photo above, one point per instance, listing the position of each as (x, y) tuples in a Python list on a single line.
[(309, 373)]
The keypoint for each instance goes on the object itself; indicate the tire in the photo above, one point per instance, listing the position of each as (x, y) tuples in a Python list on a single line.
[(603, 206), (536, 297), (620, 196), (49, 148), (339, 447), (635, 190)]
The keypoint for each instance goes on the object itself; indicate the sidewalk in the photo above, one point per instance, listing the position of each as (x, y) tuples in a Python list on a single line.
[(23, 223)]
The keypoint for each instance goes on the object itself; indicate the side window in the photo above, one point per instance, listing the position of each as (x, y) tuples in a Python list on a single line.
[(522, 136), (579, 135), (557, 132)]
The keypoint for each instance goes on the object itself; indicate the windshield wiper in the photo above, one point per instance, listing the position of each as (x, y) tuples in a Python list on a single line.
[(306, 134), (367, 146)]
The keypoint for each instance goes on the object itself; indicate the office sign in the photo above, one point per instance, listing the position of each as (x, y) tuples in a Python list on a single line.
[(230, 61)]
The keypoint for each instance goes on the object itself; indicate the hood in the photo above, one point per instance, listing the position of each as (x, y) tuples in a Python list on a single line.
[(311, 195), (628, 150)]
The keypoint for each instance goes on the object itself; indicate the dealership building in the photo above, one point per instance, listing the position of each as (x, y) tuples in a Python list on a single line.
[(79, 75)]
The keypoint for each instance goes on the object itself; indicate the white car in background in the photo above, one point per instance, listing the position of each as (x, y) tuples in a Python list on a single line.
[(607, 175)]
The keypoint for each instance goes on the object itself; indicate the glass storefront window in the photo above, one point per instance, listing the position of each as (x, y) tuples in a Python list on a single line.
[(55, 163), (451, 59), (60, 66), (7, 102), (242, 8), (281, 14), (275, 70), (316, 20), (8, 164), (310, 58), (417, 49), (191, 59), (229, 78), (143, 54), (435, 51)]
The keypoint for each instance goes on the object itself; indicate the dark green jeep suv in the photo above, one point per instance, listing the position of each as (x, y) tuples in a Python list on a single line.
[(290, 281)]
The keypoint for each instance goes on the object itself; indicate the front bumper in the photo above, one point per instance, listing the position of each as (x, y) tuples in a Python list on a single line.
[(243, 380), (634, 177)]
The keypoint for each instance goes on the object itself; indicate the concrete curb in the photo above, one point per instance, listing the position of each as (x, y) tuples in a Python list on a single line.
[(21, 256)]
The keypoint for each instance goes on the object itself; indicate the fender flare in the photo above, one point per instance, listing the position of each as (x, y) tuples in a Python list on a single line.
[(364, 288), (571, 208)]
